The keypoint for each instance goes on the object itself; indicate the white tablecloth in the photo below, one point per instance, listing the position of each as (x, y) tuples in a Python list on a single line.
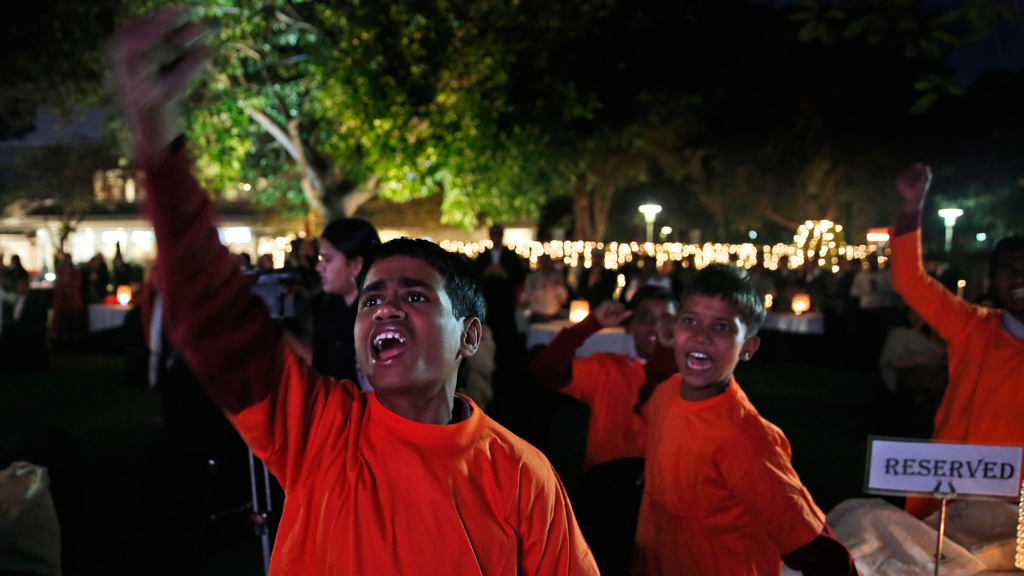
[(106, 316), (607, 340), (806, 323)]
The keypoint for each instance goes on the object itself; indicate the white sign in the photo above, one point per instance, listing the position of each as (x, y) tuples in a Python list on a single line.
[(898, 467)]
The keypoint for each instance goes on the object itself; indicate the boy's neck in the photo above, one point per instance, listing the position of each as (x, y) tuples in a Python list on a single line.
[(691, 394), (432, 408)]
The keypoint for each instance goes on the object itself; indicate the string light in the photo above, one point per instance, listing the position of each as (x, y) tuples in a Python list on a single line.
[(820, 242)]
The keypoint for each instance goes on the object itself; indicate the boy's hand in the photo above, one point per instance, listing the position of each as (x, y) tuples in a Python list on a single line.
[(611, 313), (912, 187), (155, 59)]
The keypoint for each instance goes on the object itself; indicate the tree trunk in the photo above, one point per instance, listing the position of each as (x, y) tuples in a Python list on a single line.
[(602, 205), (583, 217), (353, 200)]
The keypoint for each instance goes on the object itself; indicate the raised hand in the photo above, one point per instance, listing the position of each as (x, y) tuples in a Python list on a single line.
[(611, 313), (155, 59), (912, 186)]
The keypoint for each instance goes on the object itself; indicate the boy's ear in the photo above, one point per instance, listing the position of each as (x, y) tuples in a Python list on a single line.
[(750, 345), (472, 332)]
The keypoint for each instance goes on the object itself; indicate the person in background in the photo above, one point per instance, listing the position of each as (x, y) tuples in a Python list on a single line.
[(121, 272), (598, 283), (502, 275), (97, 278), (876, 309), (545, 292), (16, 271), (265, 263), (68, 326), (721, 497), (910, 347), (982, 401), (344, 245), (616, 388)]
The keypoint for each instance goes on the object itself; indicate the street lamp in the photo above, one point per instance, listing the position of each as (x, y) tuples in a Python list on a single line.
[(665, 231), (950, 215), (650, 211)]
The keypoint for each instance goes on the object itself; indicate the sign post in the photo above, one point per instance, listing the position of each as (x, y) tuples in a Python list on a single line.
[(904, 467)]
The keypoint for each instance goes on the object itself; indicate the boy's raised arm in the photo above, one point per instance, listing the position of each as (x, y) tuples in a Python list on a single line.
[(553, 365), (941, 309), (221, 329)]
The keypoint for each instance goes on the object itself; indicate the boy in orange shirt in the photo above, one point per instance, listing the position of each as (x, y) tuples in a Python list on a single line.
[(410, 479), (982, 401), (612, 385), (721, 497), (616, 387)]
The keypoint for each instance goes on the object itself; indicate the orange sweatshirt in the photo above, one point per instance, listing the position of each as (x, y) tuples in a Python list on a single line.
[(984, 401), (610, 384), (370, 492), (616, 387), (366, 491), (721, 497)]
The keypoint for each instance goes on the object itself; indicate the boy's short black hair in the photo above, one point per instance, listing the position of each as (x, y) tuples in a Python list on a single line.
[(650, 293), (352, 237), (732, 284), (460, 281)]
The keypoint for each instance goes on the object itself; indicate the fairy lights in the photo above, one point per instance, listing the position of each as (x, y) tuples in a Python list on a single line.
[(820, 242)]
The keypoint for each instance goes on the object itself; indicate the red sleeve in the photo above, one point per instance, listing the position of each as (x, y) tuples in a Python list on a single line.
[(553, 365), (940, 308), (823, 556), (550, 541), (224, 332)]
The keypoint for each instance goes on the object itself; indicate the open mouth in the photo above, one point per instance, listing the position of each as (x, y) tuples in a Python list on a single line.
[(389, 344), (698, 361)]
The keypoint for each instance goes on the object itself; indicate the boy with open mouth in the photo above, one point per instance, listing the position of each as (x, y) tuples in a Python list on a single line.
[(721, 497), (410, 479), (981, 404), (616, 388)]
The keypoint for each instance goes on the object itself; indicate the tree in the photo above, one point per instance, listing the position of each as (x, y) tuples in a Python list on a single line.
[(51, 58), (921, 34), (344, 101)]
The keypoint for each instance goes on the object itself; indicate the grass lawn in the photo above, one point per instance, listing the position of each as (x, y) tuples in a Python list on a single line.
[(115, 428), (827, 415)]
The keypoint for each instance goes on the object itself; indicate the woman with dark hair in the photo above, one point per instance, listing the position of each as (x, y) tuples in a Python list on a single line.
[(343, 246)]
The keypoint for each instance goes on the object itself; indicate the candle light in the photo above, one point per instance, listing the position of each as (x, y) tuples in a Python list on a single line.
[(960, 285), (124, 295), (579, 310), (767, 301), (801, 303)]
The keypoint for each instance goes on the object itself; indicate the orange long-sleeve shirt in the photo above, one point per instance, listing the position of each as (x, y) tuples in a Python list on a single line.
[(983, 401), (721, 497), (370, 492), (366, 491), (610, 385)]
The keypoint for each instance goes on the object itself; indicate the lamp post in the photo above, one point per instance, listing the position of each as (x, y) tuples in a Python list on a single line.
[(950, 215), (650, 211), (665, 231)]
